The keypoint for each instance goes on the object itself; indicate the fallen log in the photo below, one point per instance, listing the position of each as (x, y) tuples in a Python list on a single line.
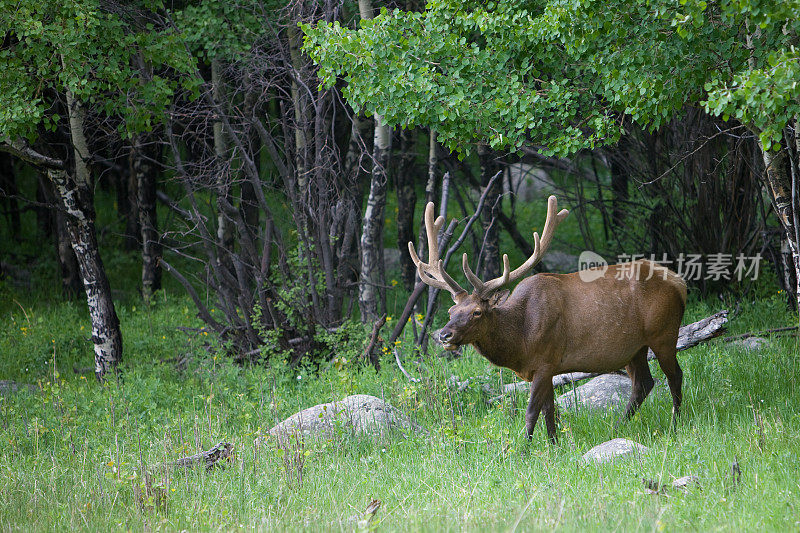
[(688, 336), (704, 329), (209, 458), (151, 492)]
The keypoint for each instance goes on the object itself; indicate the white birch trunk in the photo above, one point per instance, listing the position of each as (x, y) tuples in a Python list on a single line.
[(372, 281), (75, 196), (781, 178)]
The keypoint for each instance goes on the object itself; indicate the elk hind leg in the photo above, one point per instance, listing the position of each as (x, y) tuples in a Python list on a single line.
[(666, 354), (641, 383), (550, 415)]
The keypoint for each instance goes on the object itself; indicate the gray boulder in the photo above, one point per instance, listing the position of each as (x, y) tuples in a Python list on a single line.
[(752, 343), (613, 450), (359, 413), (603, 392)]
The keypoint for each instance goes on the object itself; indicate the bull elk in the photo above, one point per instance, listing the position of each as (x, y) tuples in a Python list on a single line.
[(590, 321)]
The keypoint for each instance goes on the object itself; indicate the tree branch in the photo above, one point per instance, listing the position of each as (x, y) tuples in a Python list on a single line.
[(25, 152)]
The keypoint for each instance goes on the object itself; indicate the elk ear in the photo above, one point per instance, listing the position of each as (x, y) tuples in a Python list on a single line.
[(498, 298)]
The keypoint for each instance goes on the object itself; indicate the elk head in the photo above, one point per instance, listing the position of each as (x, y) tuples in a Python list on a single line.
[(471, 318)]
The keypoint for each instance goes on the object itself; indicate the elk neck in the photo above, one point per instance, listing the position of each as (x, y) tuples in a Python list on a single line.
[(503, 339)]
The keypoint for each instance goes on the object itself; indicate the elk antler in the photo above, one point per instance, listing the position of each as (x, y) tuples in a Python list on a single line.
[(540, 247), (433, 273)]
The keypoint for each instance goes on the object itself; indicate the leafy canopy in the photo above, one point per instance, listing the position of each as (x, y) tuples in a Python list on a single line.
[(224, 29), (561, 73), (54, 46)]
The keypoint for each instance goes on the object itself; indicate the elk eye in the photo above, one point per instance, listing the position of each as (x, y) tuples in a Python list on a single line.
[(477, 313)]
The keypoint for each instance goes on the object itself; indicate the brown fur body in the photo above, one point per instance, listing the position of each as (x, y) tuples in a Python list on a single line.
[(557, 323)]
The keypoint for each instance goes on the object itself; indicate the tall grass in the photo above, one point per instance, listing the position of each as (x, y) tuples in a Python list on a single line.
[(73, 453)]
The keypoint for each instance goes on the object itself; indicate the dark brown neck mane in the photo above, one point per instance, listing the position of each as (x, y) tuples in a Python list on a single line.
[(504, 349)]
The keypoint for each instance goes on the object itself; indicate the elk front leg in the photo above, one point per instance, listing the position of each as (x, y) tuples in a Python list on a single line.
[(542, 398)]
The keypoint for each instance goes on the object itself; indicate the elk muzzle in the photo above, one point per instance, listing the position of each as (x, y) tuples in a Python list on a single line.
[(446, 338)]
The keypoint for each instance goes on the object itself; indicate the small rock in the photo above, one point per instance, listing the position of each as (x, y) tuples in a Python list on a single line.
[(359, 413), (613, 449), (685, 482), (752, 343), (455, 382), (9, 387), (603, 392)]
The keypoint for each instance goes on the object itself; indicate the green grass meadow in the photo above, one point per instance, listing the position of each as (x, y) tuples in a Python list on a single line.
[(72, 451)]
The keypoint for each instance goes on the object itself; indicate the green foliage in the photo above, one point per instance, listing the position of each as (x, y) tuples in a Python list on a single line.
[(294, 307), (466, 74), (77, 46), (559, 73), (223, 30)]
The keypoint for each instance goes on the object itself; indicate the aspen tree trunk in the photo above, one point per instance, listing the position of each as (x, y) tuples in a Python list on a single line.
[(132, 227), (371, 289), (53, 223), (71, 283), (794, 228), (75, 196), (781, 177), (143, 156), (781, 173), (224, 226), (406, 199), (430, 195), (300, 142), (145, 178), (430, 188)]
